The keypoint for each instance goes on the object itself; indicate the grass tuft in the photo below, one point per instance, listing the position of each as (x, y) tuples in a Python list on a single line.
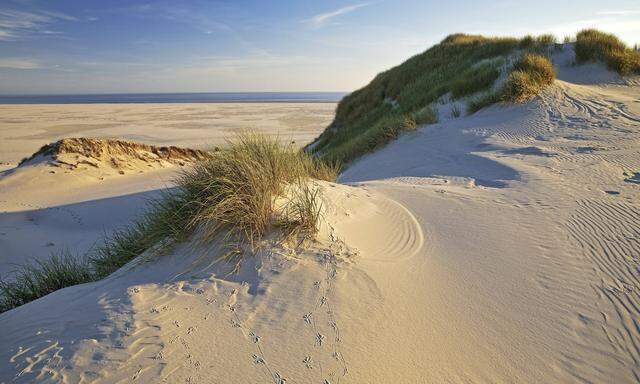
[(593, 45), (483, 101), (455, 111), (532, 73), (235, 190), (300, 216)]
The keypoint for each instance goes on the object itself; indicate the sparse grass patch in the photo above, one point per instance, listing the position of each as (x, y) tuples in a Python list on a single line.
[(593, 45), (426, 115), (537, 43), (384, 130), (301, 213), (484, 100), (231, 195), (165, 221), (474, 80), (39, 278), (546, 39), (455, 111)]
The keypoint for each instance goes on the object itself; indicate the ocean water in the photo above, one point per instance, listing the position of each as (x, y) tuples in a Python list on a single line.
[(217, 97)]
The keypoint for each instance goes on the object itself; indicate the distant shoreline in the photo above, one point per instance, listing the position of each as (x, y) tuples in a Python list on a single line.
[(213, 97)]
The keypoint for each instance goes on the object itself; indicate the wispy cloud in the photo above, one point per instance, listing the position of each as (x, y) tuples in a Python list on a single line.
[(177, 13), (625, 12), (18, 24), (323, 18), (17, 63)]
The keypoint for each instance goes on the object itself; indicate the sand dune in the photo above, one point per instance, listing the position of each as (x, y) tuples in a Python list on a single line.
[(499, 247)]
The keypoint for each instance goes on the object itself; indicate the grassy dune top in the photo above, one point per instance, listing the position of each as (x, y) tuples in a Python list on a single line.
[(474, 70), (401, 98), (593, 45)]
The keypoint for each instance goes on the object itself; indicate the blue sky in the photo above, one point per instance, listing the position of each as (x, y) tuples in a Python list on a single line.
[(108, 46)]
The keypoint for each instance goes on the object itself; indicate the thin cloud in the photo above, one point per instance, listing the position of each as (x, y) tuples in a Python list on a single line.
[(193, 17), (627, 12), (18, 64), (323, 18), (18, 24)]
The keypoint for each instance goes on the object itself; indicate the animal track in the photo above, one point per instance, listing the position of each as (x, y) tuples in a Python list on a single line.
[(279, 379), (307, 362), (327, 325)]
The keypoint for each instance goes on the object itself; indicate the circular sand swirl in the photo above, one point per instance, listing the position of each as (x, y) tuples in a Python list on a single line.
[(381, 230)]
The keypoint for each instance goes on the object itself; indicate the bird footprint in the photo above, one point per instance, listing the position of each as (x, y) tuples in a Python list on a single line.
[(307, 362)]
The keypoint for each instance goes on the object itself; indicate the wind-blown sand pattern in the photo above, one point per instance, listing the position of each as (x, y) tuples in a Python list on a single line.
[(495, 248)]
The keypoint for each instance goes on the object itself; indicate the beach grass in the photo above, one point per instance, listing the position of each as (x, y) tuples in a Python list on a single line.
[(475, 79), (455, 111), (229, 195), (300, 216), (484, 100), (594, 45), (235, 190), (41, 277), (531, 74)]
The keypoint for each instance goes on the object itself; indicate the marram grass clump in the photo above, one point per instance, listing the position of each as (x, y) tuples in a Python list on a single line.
[(230, 196), (593, 45), (531, 74), (235, 190)]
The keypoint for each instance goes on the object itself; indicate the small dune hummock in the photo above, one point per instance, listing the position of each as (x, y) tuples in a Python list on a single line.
[(119, 155)]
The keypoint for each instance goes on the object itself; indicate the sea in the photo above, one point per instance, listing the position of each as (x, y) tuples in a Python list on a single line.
[(215, 97)]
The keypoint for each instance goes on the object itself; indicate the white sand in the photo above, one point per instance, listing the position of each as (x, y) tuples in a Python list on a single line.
[(501, 247)]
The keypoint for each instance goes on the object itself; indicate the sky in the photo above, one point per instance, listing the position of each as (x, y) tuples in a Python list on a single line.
[(118, 46)]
